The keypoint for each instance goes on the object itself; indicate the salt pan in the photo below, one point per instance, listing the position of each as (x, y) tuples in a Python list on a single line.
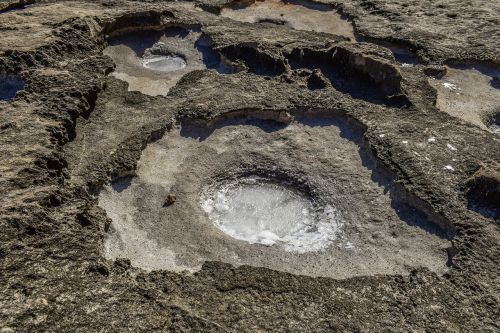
[(260, 212)]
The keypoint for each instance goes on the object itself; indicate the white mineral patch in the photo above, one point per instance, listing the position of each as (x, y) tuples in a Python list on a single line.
[(451, 147), (449, 167), (348, 246), (431, 139), (317, 17), (495, 128), (265, 213), (450, 86), (467, 93), (494, 124), (163, 63)]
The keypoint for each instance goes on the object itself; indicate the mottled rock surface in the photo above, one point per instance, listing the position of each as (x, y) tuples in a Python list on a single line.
[(74, 128)]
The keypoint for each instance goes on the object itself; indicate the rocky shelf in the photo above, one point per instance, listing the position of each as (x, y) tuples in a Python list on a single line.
[(249, 166)]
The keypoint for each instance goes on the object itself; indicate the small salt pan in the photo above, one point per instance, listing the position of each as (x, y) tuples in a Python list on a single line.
[(265, 213), (163, 63)]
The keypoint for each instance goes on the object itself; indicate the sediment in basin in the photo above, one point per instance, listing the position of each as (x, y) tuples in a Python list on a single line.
[(152, 62), (300, 15)]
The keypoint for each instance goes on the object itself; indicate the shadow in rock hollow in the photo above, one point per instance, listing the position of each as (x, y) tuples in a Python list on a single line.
[(9, 86), (200, 130), (400, 200), (342, 76)]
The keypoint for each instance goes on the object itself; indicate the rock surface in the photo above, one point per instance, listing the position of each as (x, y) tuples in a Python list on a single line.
[(73, 128)]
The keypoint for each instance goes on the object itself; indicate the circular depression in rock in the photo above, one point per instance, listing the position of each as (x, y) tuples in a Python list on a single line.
[(163, 63), (373, 233), (260, 211), (152, 62)]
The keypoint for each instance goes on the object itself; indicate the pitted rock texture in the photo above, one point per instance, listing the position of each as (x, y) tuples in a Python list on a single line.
[(73, 128)]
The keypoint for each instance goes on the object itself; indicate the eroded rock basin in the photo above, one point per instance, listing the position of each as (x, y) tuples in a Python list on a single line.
[(468, 92), (297, 14), (317, 165), (152, 62)]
